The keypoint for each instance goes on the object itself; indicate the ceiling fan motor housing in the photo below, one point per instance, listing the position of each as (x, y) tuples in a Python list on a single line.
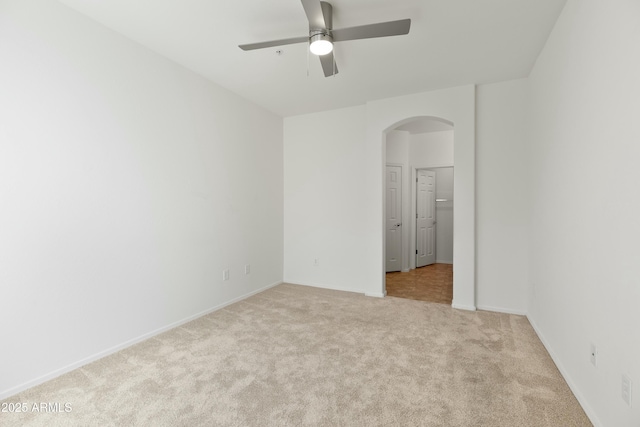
[(320, 42)]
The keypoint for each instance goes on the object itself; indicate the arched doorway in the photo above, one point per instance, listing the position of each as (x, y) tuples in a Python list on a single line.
[(419, 210), (456, 105)]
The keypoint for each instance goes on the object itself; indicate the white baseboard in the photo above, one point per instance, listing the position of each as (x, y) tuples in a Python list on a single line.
[(463, 306), (61, 371), (376, 294), (501, 310), (572, 385), (444, 262), (405, 270)]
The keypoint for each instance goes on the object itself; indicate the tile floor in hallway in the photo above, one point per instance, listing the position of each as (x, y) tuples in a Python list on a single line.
[(433, 283)]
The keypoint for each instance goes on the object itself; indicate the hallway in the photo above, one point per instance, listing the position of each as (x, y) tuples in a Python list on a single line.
[(433, 283)]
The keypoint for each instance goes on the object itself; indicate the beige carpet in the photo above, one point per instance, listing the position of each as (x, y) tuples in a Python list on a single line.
[(295, 356)]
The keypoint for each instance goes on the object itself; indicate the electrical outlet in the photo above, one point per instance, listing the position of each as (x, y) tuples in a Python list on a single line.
[(594, 355), (626, 389), (225, 274), (247, 269), (316, 262)]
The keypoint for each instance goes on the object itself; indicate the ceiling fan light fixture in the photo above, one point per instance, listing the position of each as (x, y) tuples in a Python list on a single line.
[(320, 44)]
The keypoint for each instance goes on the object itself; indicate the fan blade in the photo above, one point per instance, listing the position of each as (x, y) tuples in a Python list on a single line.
[(382, 29), (282, 42), (319, 14), (328, 64)]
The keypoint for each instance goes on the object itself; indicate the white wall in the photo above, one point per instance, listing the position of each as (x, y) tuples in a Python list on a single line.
[(398, 147), (127, 185), (502, 197), (432, 149), (325, 206), (584, 152)]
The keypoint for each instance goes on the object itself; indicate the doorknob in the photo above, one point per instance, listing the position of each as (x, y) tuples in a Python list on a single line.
[(398, 225)]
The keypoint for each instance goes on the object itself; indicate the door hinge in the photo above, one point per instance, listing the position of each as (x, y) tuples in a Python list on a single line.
[(416, 252)]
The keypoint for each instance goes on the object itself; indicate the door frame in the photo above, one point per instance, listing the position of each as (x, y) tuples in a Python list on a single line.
[(403, 218), (414, 208)]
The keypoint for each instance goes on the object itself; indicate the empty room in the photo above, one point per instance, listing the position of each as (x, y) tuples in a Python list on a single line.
[(224, 213)]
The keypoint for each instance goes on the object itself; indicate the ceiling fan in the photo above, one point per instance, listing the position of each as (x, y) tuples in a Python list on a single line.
[(322, 35)]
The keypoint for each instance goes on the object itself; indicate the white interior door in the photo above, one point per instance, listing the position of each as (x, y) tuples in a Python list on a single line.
[(393, 218), (425, 218)]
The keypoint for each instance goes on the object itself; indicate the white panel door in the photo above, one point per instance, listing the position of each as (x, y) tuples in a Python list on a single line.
[(393, 218), (425, 218)]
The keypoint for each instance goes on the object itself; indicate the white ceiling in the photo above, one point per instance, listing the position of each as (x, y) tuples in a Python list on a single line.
[(451, 43)]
